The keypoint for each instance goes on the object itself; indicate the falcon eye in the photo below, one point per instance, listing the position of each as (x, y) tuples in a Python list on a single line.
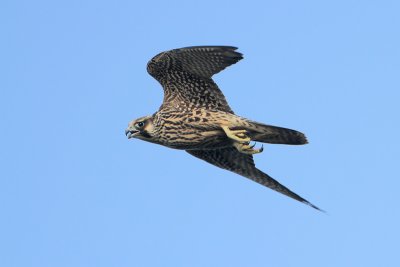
[(140, 124)]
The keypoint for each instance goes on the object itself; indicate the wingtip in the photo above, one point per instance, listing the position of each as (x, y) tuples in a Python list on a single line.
[(313, 206), (226, 48)]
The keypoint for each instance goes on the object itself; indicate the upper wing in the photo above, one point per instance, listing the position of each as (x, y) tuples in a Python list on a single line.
[(185, 75), (232, 160)]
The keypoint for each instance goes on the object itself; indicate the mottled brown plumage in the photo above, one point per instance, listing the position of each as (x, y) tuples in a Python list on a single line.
[(196, 117)]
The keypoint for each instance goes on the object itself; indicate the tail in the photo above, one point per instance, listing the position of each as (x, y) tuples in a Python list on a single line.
[(274, 135)]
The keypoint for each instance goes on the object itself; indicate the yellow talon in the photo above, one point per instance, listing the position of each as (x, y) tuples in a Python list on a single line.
[(247, 149), (237, 135)]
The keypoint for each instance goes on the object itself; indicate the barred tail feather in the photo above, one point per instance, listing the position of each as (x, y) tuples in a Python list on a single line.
[(275, 135)]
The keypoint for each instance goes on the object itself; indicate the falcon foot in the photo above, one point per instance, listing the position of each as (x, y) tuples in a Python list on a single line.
[(237, 135), (247, 148)]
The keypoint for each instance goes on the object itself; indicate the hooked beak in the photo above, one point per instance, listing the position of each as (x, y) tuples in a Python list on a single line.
[(130, 133)]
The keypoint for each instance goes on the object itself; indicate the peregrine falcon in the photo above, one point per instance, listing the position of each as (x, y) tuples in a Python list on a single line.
[(196, 117)]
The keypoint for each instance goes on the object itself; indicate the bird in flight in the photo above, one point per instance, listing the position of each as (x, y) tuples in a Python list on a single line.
[(196, 117)]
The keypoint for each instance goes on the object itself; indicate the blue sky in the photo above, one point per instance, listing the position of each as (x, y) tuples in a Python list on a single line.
[(75, 192)]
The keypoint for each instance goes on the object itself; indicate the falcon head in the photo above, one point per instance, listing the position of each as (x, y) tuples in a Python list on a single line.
[(141, 128)]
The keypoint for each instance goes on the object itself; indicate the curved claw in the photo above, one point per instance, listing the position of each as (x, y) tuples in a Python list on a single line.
[(252, 146), (262, 148), (247, 149)]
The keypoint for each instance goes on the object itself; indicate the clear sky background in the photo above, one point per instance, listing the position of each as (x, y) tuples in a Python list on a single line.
[(74, 191)]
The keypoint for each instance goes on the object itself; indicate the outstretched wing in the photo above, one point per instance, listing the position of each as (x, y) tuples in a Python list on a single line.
[(185, 75), (242, 164)]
